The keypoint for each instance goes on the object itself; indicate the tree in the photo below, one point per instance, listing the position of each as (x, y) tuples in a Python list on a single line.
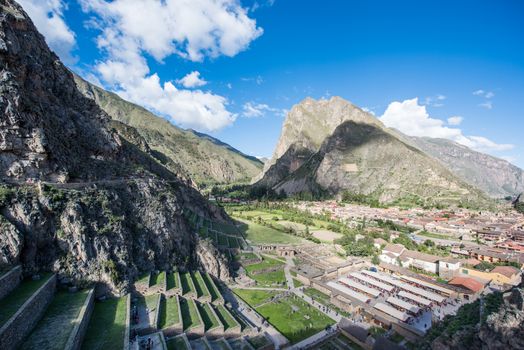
[(375, 260)]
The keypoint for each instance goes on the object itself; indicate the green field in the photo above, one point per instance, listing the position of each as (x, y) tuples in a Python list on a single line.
[(107, 327), (12, 302), (199, 284), (215, 294), (172, 281), (225, 228), (53, 330), (258, 341), (168, 315), (297, 283), (177, 343), (293, 324), (317, 295), (225, 317), (189, 313), (210, 321), (259, 234), (143, 278), (255, 297), (267, 278), (187, 283)]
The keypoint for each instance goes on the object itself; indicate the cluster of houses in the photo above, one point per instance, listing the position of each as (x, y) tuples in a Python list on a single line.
[(459, 272)]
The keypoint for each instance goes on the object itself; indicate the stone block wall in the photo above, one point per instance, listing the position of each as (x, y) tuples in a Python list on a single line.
[(10, 281), (77, 334), (25, 319)]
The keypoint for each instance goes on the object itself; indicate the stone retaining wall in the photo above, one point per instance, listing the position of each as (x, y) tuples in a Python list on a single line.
[(10, 281), (77, 334), (128, 323), (18, 327)]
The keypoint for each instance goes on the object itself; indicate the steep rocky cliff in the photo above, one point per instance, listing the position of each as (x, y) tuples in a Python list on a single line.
[(497, 177), (331, 146), (81, 194), (197, 156), (501, 326)]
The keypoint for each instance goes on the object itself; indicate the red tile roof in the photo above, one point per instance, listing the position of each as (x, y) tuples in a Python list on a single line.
[(507, 271), (468, 283)]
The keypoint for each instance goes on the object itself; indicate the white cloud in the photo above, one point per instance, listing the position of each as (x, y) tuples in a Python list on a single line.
[(257, 80), (192, 80), (510, 159), (48, 17), (192, 30), (487, 105), (489, 94), (456, 120), (412, 119), (479, 92), (254, 110), (368, 110), (435, 101)]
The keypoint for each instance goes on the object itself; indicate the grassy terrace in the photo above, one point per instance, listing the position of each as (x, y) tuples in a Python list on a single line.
[(177, 343), (267, 278), (143, 278), (187, 283), (317, 295), (168, 315), (172, 280), (12, 302), (294, 318), (225, 317), (158, 279), (199, 283), (107, 327), (229, 229), (254, 297), (189, 313), (259, 234), (54, 328), (211, 287), (258, 341), (222, 240), (210, 321)]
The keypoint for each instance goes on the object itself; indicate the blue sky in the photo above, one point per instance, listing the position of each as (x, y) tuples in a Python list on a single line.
[(434, 68)]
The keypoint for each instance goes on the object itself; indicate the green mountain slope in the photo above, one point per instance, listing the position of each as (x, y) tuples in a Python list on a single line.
[(198, 156)]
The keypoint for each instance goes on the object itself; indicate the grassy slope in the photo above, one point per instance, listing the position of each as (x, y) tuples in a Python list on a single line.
[(107, 326), (168, 312), (189, 313), (259, 234), (11, 303), (225, 317)]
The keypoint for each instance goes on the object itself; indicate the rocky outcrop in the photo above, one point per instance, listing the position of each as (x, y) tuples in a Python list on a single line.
[(83, 195), (331, 147)]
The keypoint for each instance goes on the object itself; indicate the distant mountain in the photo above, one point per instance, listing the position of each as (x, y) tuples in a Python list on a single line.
[(198, 156), (497, 177), (332, 146)]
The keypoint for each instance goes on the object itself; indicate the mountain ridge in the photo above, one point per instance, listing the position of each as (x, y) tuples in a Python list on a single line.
[(195, 155)]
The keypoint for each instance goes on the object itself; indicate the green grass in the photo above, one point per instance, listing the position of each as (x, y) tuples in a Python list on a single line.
[(171, 280), (187, 284), (254, 297), (226, 228), (397, 338), (107, 327), (199, 283), (168, 315), (53, 330), (177, 343), (12, 302), (210, 321), (143, 278), (317, 295), (213, 290), (225, 317), (294, 325), (222, 240), (154, 279), (189, 314), (436, 235), (259, 234), (161, 279), (264, 264), (297, 283), (258, 341), (233, 243)]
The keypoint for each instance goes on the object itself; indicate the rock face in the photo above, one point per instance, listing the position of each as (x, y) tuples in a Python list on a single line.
[(496, 177), (331, 146), (194, 155), (83, 195)]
